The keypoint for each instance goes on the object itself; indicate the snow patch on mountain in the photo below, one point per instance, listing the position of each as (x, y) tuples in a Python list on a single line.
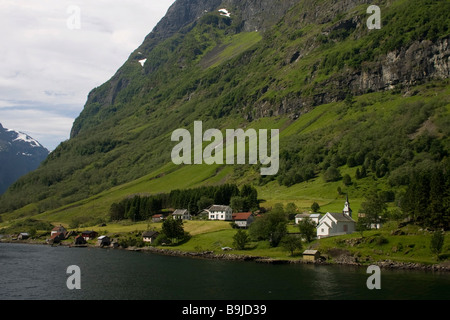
[(142, 62), (224, 12), (20, 136)]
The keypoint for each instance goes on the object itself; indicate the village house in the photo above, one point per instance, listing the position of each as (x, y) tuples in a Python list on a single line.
[(58, 234), (311, 255), (157, 218), (219, 212), (243, 219), (315, 217), (301, 216), (336, 223), (376, 225), (23, 236), (103, 241), (182, 214), (88, 235), (150, 236), (79, 240)]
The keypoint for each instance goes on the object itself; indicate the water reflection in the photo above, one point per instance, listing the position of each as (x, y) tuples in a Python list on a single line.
[(39, 272)]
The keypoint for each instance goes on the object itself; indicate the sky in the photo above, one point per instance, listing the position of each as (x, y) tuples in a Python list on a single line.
[(54, 52)]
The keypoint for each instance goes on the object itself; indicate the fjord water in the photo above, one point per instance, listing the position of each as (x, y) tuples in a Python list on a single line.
[(32, 272)]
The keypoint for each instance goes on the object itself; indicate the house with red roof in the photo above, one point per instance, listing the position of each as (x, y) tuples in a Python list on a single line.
[(157, 218), (58, 233), (243, 219), (89, 235)]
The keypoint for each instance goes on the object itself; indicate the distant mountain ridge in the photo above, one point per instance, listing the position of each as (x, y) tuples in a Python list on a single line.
[(19, 154)]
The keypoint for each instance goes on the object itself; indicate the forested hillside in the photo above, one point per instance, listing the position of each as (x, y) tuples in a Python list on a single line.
[(361, 110)]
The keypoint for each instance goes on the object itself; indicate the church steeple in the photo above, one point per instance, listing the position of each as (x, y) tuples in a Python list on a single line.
[(347, 210)]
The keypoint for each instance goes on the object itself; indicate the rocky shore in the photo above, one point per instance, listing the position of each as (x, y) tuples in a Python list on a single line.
[(343, 259), (384, 264)]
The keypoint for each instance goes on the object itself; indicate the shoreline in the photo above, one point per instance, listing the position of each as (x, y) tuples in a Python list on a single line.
[(210, 255), (384, 264)]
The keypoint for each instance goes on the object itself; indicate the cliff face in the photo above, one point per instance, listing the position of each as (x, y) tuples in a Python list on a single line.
[(420, 61), (404, 68), (248, 15), (423, 60)]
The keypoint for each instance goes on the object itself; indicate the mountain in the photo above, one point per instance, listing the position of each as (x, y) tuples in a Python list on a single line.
[(19, 154), (345, 98)]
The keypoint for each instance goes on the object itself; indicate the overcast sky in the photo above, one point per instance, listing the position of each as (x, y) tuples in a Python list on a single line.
[(54, 52)]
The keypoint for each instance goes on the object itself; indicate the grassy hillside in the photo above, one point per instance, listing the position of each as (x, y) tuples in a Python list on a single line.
[(298, 76), (326, 121)]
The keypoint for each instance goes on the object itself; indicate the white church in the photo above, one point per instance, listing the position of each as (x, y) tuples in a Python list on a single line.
[(334, 224)]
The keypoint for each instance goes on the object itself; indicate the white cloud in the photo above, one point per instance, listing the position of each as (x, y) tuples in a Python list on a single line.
[(44, 63)]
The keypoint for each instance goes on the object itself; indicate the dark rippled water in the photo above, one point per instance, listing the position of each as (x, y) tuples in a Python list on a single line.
[(33, 272)]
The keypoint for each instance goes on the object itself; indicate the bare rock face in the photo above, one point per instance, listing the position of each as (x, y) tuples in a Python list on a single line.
[(410, 66), (422, 61), (257, 15), (180, 14)]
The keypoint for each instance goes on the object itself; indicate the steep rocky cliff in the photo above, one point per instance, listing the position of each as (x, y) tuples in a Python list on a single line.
[(247, 15)]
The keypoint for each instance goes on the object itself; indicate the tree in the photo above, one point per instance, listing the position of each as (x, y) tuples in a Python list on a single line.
[(362, 225), (291, 210), (307, 229), (204, 202), (173, 229), (291, 243), (32, 232), (375, 209), (240, 240), (117, 212), (437, 242), (238, 204), (358, 174), (332, 174), (250, 195), (272, 226), (347, 180), (315, 207)]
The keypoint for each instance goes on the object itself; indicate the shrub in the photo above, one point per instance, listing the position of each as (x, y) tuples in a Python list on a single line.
[(380, 240)]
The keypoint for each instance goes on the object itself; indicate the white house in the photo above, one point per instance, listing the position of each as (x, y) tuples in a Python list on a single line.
[(218, 212), (182, 214), (336, 223), (376, 225), (315, 217), (243, 219), (301, 216)]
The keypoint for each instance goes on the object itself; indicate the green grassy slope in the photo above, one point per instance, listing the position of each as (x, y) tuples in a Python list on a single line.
[(326, 119), (213, 72)]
